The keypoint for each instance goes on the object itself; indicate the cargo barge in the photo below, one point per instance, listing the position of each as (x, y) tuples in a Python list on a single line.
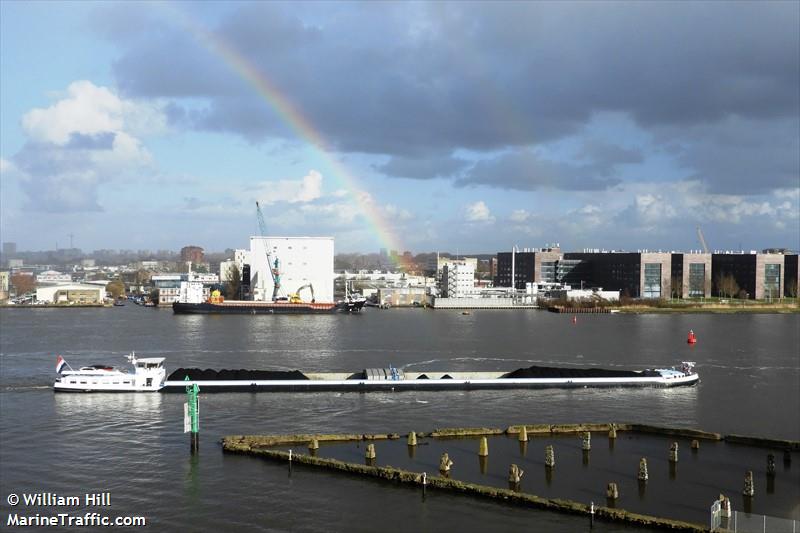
[(395, 379), (246, 307)]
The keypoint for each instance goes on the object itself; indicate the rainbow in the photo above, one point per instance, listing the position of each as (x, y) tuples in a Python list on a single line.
[(293, 118)]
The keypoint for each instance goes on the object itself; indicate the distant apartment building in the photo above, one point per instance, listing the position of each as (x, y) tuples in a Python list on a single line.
[(757, 276), (193, 254), (529, 265), (691, 275), (9, 249), (634, 274)]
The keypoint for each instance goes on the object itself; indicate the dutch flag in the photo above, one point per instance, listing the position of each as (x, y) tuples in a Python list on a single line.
[(60, 364)]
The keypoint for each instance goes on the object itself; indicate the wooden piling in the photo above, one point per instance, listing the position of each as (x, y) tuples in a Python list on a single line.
[(549, 456), (370, 453), (673, 452), (749, 486), (642, 475)]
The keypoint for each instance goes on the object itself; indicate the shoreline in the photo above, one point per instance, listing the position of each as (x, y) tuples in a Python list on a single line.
[(714, 309)]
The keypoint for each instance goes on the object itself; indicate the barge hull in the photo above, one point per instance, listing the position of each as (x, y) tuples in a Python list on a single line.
[(264, 308), (307, 385), (252, 308)]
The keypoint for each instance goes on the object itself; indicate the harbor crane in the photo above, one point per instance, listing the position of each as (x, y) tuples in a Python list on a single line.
[(702, 239), (273, 265)]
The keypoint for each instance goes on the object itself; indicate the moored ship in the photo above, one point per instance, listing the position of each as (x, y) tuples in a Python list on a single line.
[(244, 307), (216, 304)]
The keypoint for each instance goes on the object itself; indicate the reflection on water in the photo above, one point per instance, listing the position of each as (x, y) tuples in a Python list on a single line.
[(144, 407)]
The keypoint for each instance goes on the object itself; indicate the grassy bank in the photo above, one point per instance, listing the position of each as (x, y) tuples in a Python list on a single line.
[(723, 308)]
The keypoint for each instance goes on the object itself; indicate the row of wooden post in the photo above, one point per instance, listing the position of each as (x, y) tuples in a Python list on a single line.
[(516, 473)]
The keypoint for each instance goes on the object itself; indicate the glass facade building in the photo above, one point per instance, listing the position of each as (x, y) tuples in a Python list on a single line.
[(772, 281), (652, 280), (697, 280), (548, 271)]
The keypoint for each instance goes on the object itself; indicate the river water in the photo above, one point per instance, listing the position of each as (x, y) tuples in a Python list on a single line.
[(132, 445)]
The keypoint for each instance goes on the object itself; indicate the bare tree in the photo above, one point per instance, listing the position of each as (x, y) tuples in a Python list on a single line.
[(677, 286), (719, 281), (233, 283), (731, 287), (791, 288), (726, 285)]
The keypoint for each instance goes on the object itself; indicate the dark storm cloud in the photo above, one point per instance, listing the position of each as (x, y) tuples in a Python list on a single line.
[(422, 167), (410, 80), (524, 170), (738, 156)]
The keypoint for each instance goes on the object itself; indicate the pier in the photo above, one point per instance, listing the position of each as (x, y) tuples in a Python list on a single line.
[(578, 310)]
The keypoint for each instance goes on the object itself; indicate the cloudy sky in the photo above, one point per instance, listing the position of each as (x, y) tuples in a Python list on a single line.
[(464, 126)]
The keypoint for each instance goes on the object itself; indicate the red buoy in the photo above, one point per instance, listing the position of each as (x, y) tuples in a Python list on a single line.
[(691, 339)]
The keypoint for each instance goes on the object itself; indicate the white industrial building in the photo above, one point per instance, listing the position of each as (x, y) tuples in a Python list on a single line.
[(458, 279), (301, 261), (71, 293)]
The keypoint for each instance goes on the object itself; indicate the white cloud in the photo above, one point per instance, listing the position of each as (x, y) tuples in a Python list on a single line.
[(589, 209), (304, 190), (82, 141), (790, 194), (653, 209), (89, 110), (519, 215), (6, 166), (478, 212), (332, 214), (397, 214)]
